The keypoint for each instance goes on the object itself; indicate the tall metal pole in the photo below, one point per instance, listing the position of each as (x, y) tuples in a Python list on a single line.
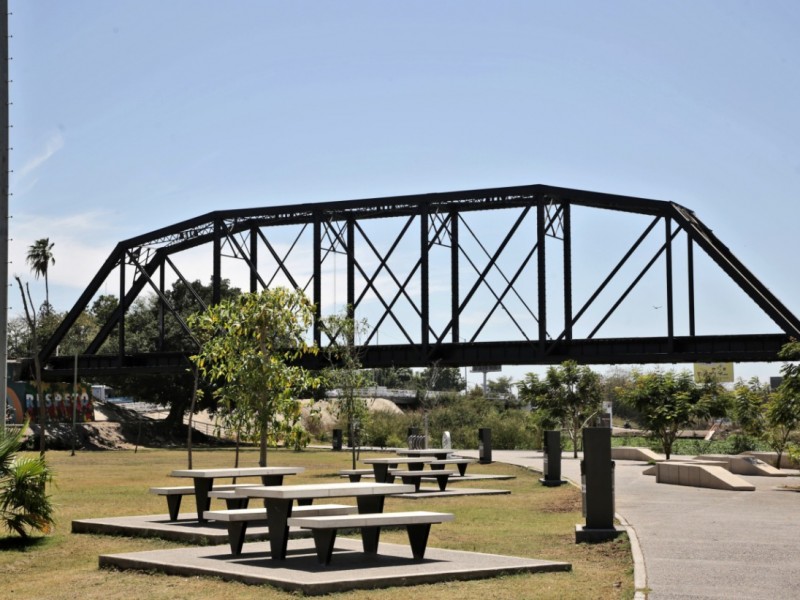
[(4, 203)]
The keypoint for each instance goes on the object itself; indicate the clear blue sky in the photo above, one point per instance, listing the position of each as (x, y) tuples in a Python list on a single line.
[(131, 115)]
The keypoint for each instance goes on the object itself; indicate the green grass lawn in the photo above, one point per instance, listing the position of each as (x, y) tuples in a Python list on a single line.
[(533, 521)]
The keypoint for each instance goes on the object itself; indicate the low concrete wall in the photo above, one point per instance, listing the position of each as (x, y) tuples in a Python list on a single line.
[(744, 465), (635, 453), (771, 458), (700, 475)]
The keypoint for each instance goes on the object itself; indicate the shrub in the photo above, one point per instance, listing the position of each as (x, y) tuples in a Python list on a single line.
[(740, 442), (24, 503), (462, 416), (386, 430)]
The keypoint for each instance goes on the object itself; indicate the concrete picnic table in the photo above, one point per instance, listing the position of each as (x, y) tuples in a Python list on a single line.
[(279, 500), (204, 480), (381, 466)]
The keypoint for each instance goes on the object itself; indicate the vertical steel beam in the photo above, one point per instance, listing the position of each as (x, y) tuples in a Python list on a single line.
[(542, 271), (424, 288), (566, 225), (161, 283), (351, 268), (670, 307), (317, 289), (216, 283), (454, 297), (253, 259), (123, 309), (690, 274)]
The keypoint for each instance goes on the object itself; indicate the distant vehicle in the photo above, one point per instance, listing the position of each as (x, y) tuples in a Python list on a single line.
[(102, 392)]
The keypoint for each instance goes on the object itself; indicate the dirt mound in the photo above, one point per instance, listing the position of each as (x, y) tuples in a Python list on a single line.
[(118, 428), (114, 435), (327, 409)]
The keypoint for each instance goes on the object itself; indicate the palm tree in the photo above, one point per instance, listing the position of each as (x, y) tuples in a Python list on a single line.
[(40, 257), (24, 502)]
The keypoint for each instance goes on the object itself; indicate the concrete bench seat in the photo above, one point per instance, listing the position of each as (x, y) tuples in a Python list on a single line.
[(324, 528), (231, 498), (355, 475), (175, 493), (415, 477), (239, 518), (460, 463)]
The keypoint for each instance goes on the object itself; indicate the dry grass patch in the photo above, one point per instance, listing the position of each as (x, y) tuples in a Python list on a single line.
[(533, 521), (562, 499)]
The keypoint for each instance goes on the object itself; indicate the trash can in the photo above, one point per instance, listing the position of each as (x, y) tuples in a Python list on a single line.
[(597, 478), (336, 440), (552, 459), (484, 446)]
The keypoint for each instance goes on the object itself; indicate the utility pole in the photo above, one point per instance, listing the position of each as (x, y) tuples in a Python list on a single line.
[(4, 126)]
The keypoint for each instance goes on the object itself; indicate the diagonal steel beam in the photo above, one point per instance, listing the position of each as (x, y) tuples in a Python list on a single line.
[(486, 269), (740, 274), (638, 278)]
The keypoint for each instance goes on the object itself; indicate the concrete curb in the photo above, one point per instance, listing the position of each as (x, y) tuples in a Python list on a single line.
[(639, 568)]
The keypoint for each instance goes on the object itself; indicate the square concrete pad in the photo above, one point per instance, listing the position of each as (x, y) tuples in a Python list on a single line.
[(350, 567), (187, 529)]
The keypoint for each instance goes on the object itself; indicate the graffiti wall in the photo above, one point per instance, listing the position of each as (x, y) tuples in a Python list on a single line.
[(58, 400)]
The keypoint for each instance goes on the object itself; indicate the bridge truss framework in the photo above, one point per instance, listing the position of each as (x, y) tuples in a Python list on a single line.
[(438, 276)]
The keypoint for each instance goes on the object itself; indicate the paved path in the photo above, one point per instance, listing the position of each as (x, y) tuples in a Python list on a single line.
[(701, 543)]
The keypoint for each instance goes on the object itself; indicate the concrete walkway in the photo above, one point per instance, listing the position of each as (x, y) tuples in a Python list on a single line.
[(700, 543)]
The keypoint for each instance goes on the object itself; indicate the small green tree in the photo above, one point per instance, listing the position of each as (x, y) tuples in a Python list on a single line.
[(33, 329), (783, 410), (749, 406), (345, 373), (196, 393), (569, 395), (669, 402), (772, 416), (749, 412), (24, 503), (249, 343), (783, 418)]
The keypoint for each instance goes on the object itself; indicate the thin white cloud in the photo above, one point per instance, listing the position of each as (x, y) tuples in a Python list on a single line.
[(52, 145)]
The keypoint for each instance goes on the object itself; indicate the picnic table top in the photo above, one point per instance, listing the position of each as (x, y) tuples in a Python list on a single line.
[(325, 490), (236, 472), (428, 474), (395, 460)]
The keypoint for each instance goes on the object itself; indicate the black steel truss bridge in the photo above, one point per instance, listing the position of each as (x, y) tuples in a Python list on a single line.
[(525, 275)]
